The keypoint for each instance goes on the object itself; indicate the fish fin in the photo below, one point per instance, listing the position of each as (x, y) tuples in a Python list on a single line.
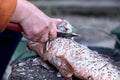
[(66, 69)]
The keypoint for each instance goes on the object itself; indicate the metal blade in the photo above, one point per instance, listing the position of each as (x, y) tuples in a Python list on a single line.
[(67, 35)]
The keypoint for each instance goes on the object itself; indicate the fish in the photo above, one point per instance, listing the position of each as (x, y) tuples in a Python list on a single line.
[(74, 59)]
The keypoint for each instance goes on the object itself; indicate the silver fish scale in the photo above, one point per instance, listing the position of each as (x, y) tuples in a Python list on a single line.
[(84, 61)]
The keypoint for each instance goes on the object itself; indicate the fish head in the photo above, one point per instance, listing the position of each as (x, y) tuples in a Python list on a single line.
[(39, 48)]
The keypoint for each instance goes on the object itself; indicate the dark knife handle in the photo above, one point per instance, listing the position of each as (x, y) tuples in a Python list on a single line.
[(14, 26)]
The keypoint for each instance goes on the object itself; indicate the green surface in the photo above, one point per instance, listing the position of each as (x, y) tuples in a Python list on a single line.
[(22, 51), (116, 32)]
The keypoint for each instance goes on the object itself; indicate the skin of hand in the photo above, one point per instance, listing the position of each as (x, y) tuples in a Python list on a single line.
[(36, 25)]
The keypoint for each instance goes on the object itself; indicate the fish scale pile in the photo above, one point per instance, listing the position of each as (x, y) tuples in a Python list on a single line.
[(72, 58)]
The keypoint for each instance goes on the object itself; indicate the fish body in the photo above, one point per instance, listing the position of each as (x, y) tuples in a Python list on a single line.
[(72, 58)]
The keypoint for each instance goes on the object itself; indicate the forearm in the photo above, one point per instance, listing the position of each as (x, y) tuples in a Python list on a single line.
[(24, 10)]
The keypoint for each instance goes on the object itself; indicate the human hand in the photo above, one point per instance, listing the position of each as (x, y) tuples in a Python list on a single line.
[(36, 25)]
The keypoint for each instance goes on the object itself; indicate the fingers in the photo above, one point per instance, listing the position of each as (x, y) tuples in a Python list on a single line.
[(52, 31), (42, 31), (44, 38)]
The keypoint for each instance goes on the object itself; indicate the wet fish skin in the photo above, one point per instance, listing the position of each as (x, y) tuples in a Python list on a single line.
[(72, 58)]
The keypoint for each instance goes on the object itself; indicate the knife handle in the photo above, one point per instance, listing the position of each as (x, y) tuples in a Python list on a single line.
[(14, 26)]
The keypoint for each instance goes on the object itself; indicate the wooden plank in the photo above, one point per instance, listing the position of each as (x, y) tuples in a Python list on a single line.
[(111, 6)]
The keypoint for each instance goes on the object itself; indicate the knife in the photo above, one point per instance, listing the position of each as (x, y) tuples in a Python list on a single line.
[(60, 33)]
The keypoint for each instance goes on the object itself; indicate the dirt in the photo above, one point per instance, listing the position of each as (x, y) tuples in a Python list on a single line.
[(32, 68)]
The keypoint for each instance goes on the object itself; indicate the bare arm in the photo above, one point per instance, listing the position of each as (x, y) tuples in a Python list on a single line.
[(36, 25)]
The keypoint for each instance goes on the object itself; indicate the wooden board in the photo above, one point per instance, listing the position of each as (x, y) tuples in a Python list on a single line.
[(84, 6)]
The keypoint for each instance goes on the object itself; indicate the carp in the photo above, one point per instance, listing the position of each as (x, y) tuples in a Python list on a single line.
[(72, 58)]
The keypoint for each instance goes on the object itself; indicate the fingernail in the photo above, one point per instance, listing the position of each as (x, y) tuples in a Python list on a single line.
[(59, 20)]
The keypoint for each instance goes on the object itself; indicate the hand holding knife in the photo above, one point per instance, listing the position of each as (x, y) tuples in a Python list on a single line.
[(65, 29)]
